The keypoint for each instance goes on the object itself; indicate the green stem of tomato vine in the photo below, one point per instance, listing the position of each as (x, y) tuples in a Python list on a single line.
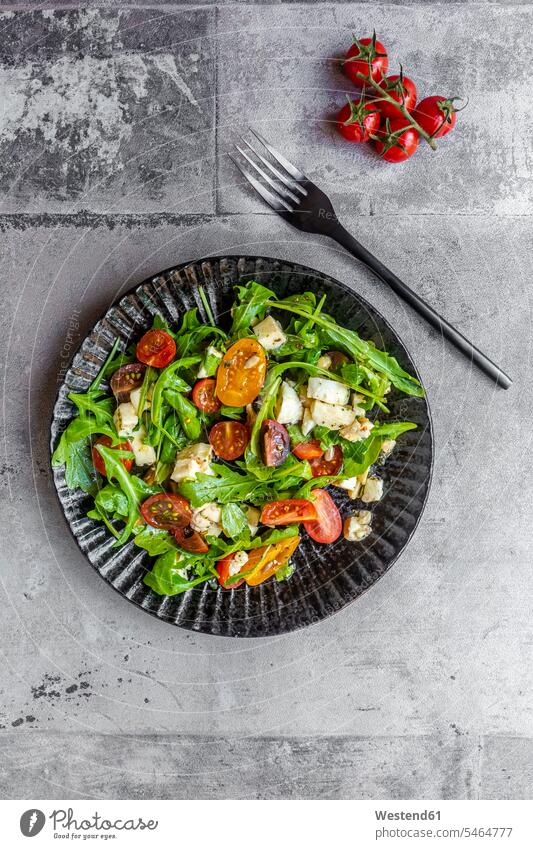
[(401, 108)]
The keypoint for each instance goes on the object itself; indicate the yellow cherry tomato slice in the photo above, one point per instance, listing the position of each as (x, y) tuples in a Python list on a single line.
[(269, 559), (241, 373)]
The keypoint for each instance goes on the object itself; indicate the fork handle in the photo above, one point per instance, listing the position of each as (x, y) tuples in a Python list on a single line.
[(344, 238)]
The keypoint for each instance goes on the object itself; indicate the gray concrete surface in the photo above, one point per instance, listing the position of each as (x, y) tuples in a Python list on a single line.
[(113, 138)]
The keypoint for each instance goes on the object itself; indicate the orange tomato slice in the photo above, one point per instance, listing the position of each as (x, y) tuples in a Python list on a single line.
[(268, 559), (241, 373)]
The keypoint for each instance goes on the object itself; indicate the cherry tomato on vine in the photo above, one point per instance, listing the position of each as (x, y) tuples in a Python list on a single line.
[(357, 121), (288, 512), (327, 527), (402, 89), (365, 51), (190, 540), (98, 460), (329, 464), (397, 141), (308, 450), (203, 395), (156, 348), (241, 373), (436, 115), (166, 511), (229, 439)]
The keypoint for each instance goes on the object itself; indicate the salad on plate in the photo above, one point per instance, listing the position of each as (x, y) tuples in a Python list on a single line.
[(218, 450)]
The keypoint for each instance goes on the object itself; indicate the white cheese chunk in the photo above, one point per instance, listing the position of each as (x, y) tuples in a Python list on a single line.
[(373, 490), (135, 398), (358, 430), (144, 454), (240, 559), (269, 333), (252, 517), (324, 362), (351, 485), (204, 517), (329, 391), (191, 460), (308, 422), (330, 415), (125, 419), (290, 409), (358, 526), (387, 447)]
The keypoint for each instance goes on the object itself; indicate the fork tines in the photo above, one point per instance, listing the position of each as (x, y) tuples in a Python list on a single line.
[(286, 187)]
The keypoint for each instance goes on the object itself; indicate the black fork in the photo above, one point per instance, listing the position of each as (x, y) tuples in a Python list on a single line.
[(300, 202)]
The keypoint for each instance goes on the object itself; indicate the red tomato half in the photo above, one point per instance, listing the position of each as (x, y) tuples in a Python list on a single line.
[(357, 121), (329, 464), (223, 568), (229, 439), (397, 141), (166, 511), (203, 395), (402, 89), (190, 540), (362, 52), (275, 443), (98, 460), (308, 450), (328, 525), (156, 348), (288, 512), (436, 115)]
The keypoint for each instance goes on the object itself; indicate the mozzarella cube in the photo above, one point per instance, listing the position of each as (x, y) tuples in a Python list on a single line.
[(240, 559), (329, 391), (358, 430), (269, 333), (252, 517), (125, 419), (358, 526), (387, 447), (290, 407), (373, 490), (184, 470), (135, 398), (324, 362), (331, 416), (351, 485), (192, 460), (144, 454), (204, 517), (308, 422)]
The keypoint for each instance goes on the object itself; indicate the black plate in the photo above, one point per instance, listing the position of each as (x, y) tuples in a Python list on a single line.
[(326, 577)]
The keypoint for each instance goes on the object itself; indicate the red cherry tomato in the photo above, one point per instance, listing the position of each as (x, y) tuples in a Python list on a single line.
[(190, 540), (362, 52), (98, 460), (223, 568), (308, 450), (327, 527), (357, 121), (402, 89), (288, 512), (397, 141), (156, 348), (329, 464), (229, 439), (276, 443), (436, 115), (166, 511), (203, 395)]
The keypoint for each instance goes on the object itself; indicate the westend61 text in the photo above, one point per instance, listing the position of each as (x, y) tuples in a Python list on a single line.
[(407, 815)]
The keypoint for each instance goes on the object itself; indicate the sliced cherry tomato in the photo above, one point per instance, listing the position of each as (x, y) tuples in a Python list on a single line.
[(241, 373), (190, 540), (266, 561), (125, 379), (223, 568), (276, 443), (362, 52), (203, 395), (357, 121), (436, 115), (229, 439), (397, 141), (329, 464), (402, 89), (308, 450), (288, 512), (166, 511), (98, 460), (327, 527), (156, 348)]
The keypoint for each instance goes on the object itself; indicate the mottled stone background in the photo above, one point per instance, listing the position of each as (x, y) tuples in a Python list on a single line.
[(116, 120)]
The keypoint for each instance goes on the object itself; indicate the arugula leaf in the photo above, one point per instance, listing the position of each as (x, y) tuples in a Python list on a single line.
[(251, 303), (225, 486), (134, 488), (91, 402), (231, 412), (192, 334), (359, 456), (155, 541), (233, 520), (168, 379), (165, 577), (112, 500), (285, 572), (187, 413)]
